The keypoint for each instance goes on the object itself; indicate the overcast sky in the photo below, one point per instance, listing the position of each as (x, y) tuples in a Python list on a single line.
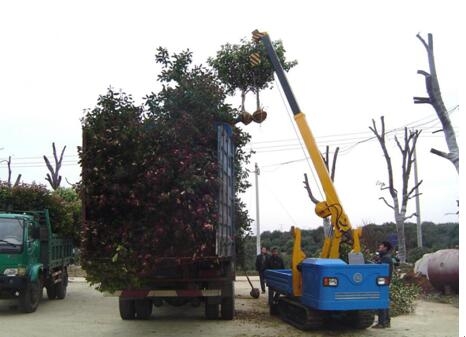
[(357, 60)]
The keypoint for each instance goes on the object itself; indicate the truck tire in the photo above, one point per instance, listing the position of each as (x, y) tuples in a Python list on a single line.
[(51, 292), (211, 311), (61, 286), (272, 301), (228, 308), (274, 310), (143, 309), (30, 297), (126, 307)]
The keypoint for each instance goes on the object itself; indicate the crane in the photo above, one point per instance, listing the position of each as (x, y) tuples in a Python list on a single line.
[(327, 287)]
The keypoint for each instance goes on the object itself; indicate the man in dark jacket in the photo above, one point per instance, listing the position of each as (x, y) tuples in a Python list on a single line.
[(384, 256), (261, 265), (275, 261)]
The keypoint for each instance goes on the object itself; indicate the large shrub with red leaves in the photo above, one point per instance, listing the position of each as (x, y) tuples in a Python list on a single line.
[(150, 175)]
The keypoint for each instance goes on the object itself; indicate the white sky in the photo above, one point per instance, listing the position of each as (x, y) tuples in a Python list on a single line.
[(357, 60)]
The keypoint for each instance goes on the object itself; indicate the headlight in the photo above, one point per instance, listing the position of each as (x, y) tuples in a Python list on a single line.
[(383, 281), (15, 272), (330, 282)]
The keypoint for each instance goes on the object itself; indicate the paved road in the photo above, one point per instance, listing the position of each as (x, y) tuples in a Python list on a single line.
[(86, 312)]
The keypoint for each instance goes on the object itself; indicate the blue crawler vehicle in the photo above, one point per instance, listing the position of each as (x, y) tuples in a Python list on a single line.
[(331, 290)]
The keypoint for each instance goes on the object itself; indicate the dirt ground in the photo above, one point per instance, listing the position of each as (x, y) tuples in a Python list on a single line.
[(87, 312)]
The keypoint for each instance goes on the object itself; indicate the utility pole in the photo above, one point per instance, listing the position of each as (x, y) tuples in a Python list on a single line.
[(418, 208), (258, 231)]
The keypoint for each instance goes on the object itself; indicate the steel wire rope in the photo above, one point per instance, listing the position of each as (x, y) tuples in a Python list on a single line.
[(298, 138), (282, 205)]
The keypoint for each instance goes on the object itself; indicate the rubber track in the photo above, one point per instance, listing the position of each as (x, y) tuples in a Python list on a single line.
[(299, 315)]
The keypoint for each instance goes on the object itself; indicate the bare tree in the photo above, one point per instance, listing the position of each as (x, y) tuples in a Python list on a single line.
[(400, 201), (435, 99), (9, 174), (53, 177)]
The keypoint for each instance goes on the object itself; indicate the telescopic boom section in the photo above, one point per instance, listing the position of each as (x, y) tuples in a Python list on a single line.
[(331, 206)]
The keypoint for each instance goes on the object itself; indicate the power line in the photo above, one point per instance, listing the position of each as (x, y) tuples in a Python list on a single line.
[(395, 131), (346, 141), (341, 139)]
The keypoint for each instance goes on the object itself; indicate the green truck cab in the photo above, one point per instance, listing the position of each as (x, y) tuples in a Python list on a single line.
[(32, 257)]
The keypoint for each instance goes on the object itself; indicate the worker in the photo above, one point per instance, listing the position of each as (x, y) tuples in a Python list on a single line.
[(261, 265), (384, 256), (275, 261)]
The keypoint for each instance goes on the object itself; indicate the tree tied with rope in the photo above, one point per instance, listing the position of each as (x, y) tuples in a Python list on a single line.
[(245, 67)]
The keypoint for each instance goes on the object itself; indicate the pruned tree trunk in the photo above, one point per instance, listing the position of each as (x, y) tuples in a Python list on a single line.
[(399, 201), (243, 100), (435, 99), (9, 171), (18, 179), (54, 178)]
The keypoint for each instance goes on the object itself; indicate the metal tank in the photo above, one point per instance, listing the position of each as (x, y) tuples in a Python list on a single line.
[(443, 270)]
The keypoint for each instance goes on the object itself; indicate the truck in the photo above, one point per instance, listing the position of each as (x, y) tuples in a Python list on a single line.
[(194, 280), (325, 289), (32, 257)]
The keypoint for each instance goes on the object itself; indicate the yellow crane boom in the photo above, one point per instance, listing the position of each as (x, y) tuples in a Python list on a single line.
[(331, 206)]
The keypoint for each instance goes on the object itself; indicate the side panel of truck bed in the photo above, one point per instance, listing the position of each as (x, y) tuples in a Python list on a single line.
[(60, 252)]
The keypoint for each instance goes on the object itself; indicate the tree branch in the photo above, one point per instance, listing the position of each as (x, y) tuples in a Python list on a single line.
[(49, 166), (398, 144), (383, 188), (308, 189), (386, 203), (423, 41), (414, 188), (422, 100), (9, 171), (334, 163), (440, 153), (414, 196), (18, 179), (424, 73), (381, 137), (408, 217)]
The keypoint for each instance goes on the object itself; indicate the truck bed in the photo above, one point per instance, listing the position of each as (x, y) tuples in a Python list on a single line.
[(56, 251)]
